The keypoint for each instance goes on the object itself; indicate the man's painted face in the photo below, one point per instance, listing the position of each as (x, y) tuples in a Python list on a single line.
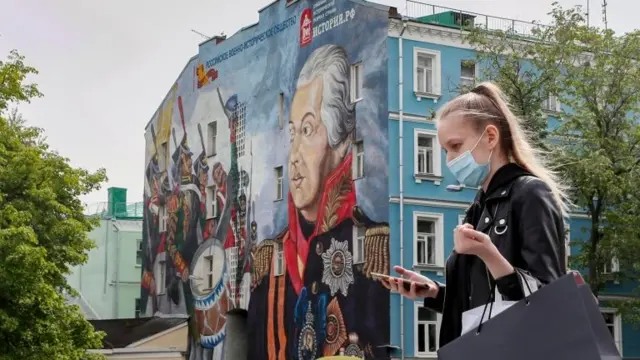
[(309, 158), (218, 175)]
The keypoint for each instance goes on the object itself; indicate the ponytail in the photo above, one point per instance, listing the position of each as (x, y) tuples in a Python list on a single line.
[(487, 102)]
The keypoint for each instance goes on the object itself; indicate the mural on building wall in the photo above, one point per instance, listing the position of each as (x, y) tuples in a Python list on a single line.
[(266, 186)]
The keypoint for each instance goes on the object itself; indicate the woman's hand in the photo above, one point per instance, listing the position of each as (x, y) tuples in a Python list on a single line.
[(468, 241), (396, 285)]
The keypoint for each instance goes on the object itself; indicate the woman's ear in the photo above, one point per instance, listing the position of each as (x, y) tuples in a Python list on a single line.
[(493, 136)]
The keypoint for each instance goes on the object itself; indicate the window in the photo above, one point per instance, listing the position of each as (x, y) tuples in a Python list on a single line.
[(162, 218), (160, 277), (426, 68), (208, 272), (281, 111), (426, 332), (139, 253), (551, 104), (239, 114), (427, 155), (467, 74), (614, 324), (162, 156), (358, 244), (356, 82), (212, 202), (461, 219), (279, 183), (429, 246), (278, 259), (212, 133), (358, 161), (611, 267), (137, 308)]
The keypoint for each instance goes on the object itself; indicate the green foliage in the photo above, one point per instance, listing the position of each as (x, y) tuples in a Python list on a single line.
[(596, 148), (43, 233)]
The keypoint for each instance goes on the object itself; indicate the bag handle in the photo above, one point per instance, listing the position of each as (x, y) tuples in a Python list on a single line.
[(493, 295)]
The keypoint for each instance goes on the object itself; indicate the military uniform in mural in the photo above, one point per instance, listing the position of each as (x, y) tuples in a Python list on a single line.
[(323, 302)]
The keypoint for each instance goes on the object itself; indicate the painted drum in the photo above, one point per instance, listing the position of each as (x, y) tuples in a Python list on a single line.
[(210, 297)]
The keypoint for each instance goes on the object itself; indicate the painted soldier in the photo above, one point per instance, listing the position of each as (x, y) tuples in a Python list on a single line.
[(323, 301)]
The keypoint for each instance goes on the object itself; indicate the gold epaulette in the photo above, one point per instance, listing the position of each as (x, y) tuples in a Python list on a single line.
[(376, 250)]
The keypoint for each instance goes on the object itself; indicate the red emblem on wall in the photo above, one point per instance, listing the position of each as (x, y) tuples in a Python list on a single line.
[(306, 27)]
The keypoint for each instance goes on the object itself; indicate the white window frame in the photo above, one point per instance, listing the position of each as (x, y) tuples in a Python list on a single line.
[(279, 177), (358, 160), (461, 218), (240, 114), (614, 267), (567, 242), (208, 272), (278, 259), (211, 202), (160, 280), (475, 72), (137, 307), (547, 103), (437, 156), (416, 322), (139, 252), (617, 326), (212, 138), (163, 162), (438, 218), (162, 218), (358, 244), (357, 82), (436, 85)]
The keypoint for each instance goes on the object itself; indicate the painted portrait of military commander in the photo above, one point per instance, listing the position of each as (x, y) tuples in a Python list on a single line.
[(320, 299)]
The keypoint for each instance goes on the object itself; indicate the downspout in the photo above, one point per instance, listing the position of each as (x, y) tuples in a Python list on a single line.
[(401, 173), (106, 253), (117, 287)]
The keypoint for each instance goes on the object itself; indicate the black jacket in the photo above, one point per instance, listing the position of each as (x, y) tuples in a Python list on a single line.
[(519, 213)]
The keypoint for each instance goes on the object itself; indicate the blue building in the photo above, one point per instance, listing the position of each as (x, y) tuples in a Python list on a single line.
[(428, 63)]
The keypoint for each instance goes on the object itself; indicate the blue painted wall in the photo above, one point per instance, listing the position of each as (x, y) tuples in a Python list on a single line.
[(429, 192)]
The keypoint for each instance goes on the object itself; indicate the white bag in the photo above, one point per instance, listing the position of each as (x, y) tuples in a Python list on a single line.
[(471, 318)]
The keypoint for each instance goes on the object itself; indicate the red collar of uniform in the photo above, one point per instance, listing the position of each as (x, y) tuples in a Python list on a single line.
[(336, 205)]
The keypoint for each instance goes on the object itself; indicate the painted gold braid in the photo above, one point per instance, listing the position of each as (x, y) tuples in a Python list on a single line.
[(376, 250), (262, 257), (187, 216), (334, 200)]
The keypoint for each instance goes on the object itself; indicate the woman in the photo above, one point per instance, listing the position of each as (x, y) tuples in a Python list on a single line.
[(516, 222)]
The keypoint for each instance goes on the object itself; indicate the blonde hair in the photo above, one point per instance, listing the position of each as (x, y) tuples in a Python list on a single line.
[(486, 104)]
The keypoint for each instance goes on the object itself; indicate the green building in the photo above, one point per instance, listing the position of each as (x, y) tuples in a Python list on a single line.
[(109, 283)]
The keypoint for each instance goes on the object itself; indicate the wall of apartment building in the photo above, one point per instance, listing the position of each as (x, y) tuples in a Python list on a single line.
[(428, 204), (268, 140)]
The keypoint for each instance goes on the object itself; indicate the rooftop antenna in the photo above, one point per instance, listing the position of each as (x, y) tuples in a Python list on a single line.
[(201, 34), (604, 13)]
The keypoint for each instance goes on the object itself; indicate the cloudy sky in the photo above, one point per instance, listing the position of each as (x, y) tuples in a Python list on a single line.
[(106, 65)]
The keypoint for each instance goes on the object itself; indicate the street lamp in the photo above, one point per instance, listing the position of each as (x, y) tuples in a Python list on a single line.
[(459, 187)]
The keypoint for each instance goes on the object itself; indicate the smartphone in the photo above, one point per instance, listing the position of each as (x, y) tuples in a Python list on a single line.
[(406, 284)]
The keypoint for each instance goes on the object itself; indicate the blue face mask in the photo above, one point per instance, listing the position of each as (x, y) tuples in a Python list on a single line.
[(467, 170)]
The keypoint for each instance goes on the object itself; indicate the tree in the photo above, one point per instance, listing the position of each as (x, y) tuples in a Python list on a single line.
[(596, 146), (43, 233)]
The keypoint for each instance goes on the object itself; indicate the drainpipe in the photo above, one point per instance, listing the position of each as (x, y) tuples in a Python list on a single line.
[(107, 221), (401, 173), (117, 287)]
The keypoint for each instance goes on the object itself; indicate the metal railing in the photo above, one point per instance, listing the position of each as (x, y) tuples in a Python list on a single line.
[(123, 210), (448, 17)]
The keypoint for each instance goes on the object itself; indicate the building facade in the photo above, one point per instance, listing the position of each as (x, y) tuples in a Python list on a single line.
[(266, 185), (428, 64), (109, 282), (292, 160)]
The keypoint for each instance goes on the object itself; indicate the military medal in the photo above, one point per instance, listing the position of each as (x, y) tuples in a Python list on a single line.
[(307, 342), (335, 329), (353, 349), (338, 267)]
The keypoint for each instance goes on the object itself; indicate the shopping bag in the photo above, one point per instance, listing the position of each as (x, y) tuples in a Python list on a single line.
[(554, 323), (471, 318)]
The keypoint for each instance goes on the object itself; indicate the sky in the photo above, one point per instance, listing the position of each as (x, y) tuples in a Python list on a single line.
[(105, 66)]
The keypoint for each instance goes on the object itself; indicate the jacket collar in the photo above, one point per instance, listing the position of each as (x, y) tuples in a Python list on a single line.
[(502, 182)]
